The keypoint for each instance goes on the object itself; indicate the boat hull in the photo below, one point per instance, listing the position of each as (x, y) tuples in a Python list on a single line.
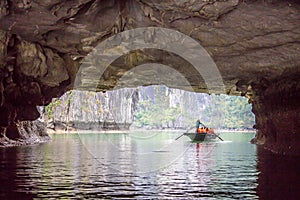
[(199, 137)]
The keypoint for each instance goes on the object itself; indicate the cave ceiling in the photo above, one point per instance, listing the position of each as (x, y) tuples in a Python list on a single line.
[(249, 41)]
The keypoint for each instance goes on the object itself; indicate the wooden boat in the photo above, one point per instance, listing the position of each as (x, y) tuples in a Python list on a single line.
[(202, 134), (199, 137)]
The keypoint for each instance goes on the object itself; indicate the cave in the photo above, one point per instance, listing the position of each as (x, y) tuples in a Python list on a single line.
[(254, 45)]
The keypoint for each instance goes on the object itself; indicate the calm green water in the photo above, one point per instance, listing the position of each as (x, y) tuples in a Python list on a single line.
[(136, 165)]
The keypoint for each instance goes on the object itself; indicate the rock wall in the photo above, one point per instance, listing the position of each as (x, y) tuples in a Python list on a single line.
[(90, 110), (277, 110), (24, 133), (30, 75)]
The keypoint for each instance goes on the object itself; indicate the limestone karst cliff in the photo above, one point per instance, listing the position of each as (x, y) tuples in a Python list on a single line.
[(89, 110), (152, 107)]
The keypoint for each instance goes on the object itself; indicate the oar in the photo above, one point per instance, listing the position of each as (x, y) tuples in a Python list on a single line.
[(179, 137), (183, 133), (218, 137), (213, 132)]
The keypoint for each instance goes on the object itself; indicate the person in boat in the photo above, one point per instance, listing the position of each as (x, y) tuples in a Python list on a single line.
[(201, 129), (197, 125), (198, 128)]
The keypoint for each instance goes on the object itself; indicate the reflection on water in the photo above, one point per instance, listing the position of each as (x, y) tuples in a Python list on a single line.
[(133, 166), (279, 176)]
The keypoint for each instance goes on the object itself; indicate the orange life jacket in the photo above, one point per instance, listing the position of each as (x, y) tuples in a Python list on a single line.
[(201, 130)]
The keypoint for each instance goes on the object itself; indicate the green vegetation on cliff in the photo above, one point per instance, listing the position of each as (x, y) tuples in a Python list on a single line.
[(153, 107), (229, 112), (220, 111), (157, 112)]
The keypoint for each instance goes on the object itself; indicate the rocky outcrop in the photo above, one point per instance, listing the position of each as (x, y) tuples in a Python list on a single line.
[(276, 107), (30, 75), (81, 110), (43, 43), (24, 133)]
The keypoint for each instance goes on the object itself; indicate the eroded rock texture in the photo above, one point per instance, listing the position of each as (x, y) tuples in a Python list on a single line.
[(277, 110), (255, 45), (31, 75), (25, 132)]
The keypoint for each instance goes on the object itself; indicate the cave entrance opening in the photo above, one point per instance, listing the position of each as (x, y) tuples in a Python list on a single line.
[(155, 107)]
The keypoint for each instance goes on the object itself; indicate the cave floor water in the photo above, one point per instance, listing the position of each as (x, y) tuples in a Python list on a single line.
[(146, 166)]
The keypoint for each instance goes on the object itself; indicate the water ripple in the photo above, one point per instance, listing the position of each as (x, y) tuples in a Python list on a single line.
[(65, 169)]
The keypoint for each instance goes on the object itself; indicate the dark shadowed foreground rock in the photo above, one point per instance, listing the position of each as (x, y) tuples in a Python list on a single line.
[(255, 45), (277, 111), (24, 133)]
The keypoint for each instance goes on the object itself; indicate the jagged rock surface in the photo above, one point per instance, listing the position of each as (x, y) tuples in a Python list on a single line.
[(24, 133), (94, 111), (277, 111), (43, 43)]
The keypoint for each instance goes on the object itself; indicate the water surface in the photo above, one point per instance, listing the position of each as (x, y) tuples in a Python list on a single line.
[(136, 165)]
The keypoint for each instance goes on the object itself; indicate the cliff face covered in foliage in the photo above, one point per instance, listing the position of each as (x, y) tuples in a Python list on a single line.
[(255, 45), (152, 107), (163, 107)]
